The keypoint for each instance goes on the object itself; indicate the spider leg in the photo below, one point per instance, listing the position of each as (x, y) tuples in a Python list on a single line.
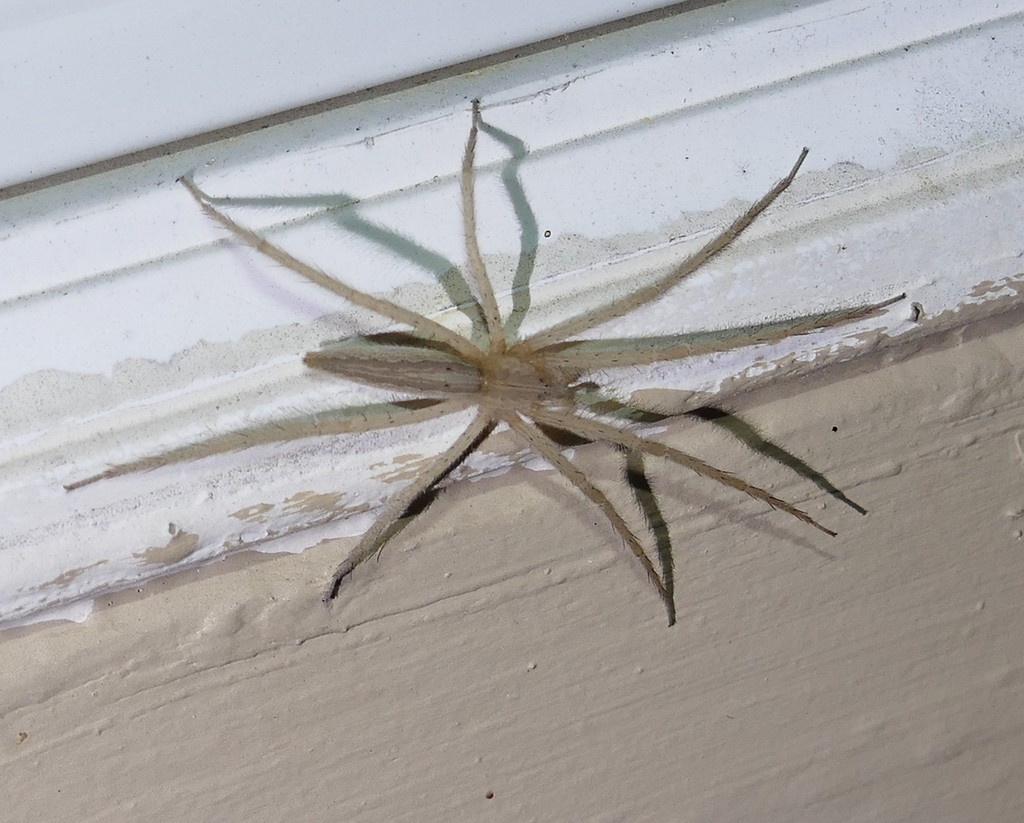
[(550, 452), (584, 355), (638, 481), (495, 330), (641, 297), (405, 500), (337, 209), (379, 305), (596, 430), (343, 421), (747, 434)]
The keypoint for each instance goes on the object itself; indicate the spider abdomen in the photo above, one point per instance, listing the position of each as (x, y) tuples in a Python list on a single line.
[(415, 369)]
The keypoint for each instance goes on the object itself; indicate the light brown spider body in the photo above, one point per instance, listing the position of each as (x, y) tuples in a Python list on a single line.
[(534, 385), (499, 379)]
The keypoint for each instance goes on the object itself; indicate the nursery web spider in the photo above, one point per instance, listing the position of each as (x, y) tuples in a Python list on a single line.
[(534, 385)]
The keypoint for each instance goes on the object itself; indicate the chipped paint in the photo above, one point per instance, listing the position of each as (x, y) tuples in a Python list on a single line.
[(179, 547)]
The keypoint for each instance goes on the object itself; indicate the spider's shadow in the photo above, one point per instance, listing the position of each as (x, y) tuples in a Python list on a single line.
[(638, 480), (341, 207)]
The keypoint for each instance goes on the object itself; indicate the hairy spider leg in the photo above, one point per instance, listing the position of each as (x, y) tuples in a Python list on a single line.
[(436, 470), (549, 450), (475, 261), (606, 354), (597, 430), (419, 323), (641, 297), (354, 420)]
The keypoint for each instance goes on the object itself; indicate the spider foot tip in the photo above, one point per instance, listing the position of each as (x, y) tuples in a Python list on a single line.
[(77, 484), (331, 593)]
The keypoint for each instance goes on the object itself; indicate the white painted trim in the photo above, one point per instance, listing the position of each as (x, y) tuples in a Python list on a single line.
[(84, 82), (128, 323)]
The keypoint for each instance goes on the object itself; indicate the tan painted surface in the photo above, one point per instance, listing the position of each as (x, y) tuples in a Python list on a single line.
[(505, 644)]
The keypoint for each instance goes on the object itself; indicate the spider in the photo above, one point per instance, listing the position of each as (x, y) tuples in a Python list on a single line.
[(535, 385)]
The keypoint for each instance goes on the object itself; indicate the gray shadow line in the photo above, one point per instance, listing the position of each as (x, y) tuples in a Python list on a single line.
[(529, 235), (729, 422), (339, 208)]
